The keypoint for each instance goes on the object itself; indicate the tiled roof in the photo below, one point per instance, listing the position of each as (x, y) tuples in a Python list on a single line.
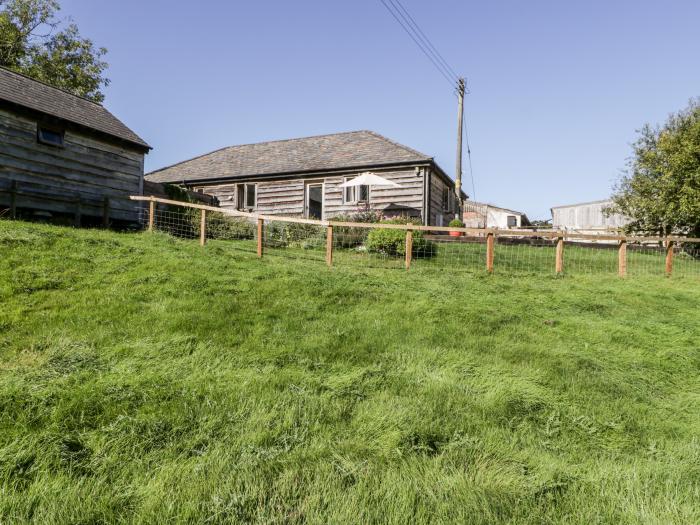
[(355, 149), (26, 92)]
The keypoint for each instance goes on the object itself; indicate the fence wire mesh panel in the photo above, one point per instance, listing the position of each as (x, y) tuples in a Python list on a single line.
[(456, 252), (398, 244), (591, 257), (645, 259), (240, 233), (368, 247), (178, 222), (296, 240), (524, 255), (686, 259)]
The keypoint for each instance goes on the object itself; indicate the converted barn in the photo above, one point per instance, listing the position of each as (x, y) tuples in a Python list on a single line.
[(586, 216), (65, 156), (303, 177)]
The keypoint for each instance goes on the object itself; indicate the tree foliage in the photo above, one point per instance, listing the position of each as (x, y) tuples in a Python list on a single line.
[(33, 41), (660, 190)]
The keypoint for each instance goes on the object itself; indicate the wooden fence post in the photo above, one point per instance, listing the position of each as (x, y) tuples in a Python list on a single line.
[(78, 211), (105, 212), (489, 252), (409, 248), (669, 257), (13, 199), (261, 224), (622, 259), (203, 228), (329, 245), (560, 255), (151, 214)]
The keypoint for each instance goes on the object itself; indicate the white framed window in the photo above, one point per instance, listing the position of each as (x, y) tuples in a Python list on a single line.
[(355, 194), (246, 196), (512, 221)]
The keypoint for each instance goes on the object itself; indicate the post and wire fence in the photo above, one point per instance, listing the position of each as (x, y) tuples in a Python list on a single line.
[(405, 245)]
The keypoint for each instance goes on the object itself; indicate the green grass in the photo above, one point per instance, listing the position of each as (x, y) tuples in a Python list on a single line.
[(144, 379)]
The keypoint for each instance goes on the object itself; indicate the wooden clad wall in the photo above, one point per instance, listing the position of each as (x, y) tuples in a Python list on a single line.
[(286, 196), (86, 165), (406, 200), (437, 185)]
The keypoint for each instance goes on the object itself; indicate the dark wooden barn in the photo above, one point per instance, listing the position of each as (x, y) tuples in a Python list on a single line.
[(65, 156)]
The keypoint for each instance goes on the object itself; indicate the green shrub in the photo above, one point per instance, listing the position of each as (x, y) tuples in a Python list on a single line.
[(392, 242), (290, 234), (456, 223), (350, 237), (221, 226)]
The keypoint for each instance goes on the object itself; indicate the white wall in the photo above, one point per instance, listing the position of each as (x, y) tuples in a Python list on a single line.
[(587, 216), (496, 218)]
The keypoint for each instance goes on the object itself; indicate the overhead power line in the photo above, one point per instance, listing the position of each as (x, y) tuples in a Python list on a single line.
[(426, 40), (413, 30), (469, 157), (403, 21)]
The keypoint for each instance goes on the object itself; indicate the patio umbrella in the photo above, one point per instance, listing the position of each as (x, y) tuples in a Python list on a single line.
[(369, 179)]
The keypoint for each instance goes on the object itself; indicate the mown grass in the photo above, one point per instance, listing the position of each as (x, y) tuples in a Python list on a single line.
[(144, 379)]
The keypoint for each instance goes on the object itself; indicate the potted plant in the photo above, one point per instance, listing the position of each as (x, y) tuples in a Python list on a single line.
[(456, 223)]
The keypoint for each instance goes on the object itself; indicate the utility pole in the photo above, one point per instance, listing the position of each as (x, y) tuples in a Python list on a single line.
[(458, 170)]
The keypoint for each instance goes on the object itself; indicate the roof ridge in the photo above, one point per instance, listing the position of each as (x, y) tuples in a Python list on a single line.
[(12, 71), (188, 160), (599, 201), (491, 205), (367, 131), (202, 155), (398, 144), (296, 138)]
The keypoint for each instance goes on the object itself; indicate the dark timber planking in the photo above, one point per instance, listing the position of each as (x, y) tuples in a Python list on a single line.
[(87, 166)]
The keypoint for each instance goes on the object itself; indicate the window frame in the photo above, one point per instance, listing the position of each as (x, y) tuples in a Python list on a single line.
[(354, 192), (243, 204), (41, 139), (515, 221)]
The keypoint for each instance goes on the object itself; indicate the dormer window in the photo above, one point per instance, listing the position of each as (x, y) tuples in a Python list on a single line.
[(50, 137)]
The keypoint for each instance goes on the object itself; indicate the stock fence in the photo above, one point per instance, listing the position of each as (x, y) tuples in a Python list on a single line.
[(411, 245)]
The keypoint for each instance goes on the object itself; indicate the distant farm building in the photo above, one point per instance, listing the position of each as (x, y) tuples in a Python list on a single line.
[(302, 177), (586, 216), (482, 215), (63, 155)]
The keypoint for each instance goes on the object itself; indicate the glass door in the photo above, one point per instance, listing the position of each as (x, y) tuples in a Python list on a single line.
[(314, 201)]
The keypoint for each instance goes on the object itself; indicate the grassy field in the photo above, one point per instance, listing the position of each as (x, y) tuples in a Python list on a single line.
[(144, 379)]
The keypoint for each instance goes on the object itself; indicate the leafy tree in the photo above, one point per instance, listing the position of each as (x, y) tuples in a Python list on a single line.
[(660, 190), (34, 42)]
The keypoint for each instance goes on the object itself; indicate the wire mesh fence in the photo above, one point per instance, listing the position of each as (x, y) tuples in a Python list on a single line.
[(400, 245)]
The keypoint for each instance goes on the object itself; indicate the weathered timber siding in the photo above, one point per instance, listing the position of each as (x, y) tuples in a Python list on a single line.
[(85, 166), (437, 185), (287, 196)]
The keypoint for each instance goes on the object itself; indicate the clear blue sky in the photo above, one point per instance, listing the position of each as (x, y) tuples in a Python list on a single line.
[(557, 87)]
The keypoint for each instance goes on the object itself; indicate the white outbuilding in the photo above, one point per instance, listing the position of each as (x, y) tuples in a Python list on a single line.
[(586, 216), (483, 215)]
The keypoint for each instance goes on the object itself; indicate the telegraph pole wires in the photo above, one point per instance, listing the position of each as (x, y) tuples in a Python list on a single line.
[(411, 27), (460, 134)]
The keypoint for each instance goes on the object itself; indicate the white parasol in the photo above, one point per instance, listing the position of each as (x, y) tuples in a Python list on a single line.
[(369, 179)]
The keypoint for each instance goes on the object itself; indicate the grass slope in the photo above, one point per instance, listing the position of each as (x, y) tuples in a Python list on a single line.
[(143, 379)]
